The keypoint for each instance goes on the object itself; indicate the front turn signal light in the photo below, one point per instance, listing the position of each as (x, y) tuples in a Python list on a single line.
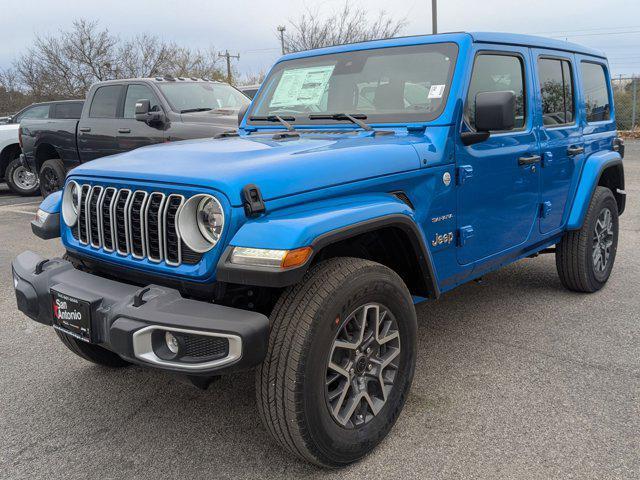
[(262, 257), (297, 257)]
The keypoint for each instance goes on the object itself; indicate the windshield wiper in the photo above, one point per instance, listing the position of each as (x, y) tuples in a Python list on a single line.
[(355, 118), (275, 118), (291, 132), (191, 110)]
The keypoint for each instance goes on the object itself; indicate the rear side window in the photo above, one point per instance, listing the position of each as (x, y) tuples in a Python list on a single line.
[(137, 92), (596, 92), (105, 102), (556, 89), (67, 110), (497, 73), (38, 112)]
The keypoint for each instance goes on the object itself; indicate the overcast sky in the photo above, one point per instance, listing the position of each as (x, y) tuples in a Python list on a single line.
[(248, 27)]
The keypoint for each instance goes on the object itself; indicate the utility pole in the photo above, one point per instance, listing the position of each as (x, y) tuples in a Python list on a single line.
[(228, 56), (434, 16), (634, 105), (281, 29)]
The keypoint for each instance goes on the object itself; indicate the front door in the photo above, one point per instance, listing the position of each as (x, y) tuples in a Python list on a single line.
[(561, 140), (498, 179), (132, 133)]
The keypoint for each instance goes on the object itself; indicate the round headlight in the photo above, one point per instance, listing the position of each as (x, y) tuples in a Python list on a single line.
[(70, 203), (200, 222)]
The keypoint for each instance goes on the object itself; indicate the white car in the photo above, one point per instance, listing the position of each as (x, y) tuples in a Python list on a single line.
[(18, 177)]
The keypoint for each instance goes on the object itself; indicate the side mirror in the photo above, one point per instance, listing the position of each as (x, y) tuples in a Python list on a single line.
[(242, 112), (145, 114), (495, 111), (142, 110)]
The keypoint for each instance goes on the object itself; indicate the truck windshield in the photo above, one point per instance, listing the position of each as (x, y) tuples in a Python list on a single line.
[(200, 96), (388, 85)]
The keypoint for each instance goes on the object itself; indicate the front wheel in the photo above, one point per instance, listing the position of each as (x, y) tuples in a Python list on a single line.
[(20, 180), (52, 174), (340, 362), (585, 257)]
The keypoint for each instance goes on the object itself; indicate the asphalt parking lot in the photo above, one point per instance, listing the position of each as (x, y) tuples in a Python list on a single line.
[(516, 378)]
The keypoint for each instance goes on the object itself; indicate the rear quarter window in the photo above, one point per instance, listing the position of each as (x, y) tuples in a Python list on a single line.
[(596, 92)]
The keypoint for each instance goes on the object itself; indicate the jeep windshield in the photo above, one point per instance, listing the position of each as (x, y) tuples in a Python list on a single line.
[(186, 97), (388, 85)]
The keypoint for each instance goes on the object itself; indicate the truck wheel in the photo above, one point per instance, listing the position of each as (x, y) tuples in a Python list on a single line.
[(340, 361), (584, 258), (20, 179), (52, 175), (92, 353)]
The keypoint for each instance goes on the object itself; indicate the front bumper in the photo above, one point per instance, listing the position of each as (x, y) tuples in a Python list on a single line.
[(124, 317)]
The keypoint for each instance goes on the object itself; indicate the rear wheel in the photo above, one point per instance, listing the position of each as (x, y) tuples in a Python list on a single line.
[(52, 174), (585, 257), (20, 179), (340, 361), (92, 353)]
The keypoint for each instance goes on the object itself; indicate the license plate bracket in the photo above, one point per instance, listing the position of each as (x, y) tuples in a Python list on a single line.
[(71, 315)]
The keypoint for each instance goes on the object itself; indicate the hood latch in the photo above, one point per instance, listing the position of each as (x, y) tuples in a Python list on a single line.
[(253, 203)]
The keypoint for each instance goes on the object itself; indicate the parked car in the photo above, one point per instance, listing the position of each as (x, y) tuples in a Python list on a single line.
[(20, 179), (121, 115), (364, 179), (250, 90)]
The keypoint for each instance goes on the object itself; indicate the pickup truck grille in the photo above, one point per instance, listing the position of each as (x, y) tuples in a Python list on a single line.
[(136, 223)]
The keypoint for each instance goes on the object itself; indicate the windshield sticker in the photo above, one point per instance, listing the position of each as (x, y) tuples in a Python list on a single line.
[(302, 86), (436, 91)]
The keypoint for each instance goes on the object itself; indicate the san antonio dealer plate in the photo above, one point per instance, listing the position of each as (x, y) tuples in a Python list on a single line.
[(71, 315)]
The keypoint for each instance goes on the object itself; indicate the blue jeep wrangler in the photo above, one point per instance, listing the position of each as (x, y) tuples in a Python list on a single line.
[(363, 179)]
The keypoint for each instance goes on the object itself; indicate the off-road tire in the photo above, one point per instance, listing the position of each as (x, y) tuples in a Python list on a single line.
[(92, 353), (290, 384), (9, 174), (52, 175), (574, 253)]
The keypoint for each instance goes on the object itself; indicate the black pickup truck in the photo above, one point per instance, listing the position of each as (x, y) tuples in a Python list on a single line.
[(121, 115)]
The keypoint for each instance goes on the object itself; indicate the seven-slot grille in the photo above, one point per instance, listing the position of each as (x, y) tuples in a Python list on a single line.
[(136, 223)]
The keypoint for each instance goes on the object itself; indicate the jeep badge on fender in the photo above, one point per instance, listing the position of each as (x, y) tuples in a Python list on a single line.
[(355, 187)]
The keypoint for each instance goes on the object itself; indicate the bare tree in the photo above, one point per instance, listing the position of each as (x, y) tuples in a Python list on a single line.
[(351, 24), (65, 65)]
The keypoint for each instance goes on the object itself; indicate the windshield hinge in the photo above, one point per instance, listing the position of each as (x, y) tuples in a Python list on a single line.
[(252, 201)]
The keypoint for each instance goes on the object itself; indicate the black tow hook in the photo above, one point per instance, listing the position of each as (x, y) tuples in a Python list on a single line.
[(138, 301)]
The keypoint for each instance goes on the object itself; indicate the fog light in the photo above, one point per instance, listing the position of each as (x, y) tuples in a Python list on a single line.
[(172, 342), (15, 281)]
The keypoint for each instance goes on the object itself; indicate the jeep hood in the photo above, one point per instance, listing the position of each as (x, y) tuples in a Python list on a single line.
[(278, 167)]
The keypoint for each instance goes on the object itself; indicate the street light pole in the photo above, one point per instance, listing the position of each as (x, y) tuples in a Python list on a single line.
[(434, 16), (281, 29)]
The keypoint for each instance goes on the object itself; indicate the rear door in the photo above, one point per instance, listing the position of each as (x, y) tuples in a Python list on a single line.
[(561, 140), (132, 133), (498, 190), (97, 131)]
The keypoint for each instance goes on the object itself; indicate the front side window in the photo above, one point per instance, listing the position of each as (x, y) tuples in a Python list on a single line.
[(105, 102), (596, 92), (37, 112), (186, 97), (556, 90), (137, 92), (497, 73), (395, 85)]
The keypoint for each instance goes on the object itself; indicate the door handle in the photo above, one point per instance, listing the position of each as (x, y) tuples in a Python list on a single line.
[(529, 160), (124, 130), (573, 151), (85, 129)]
